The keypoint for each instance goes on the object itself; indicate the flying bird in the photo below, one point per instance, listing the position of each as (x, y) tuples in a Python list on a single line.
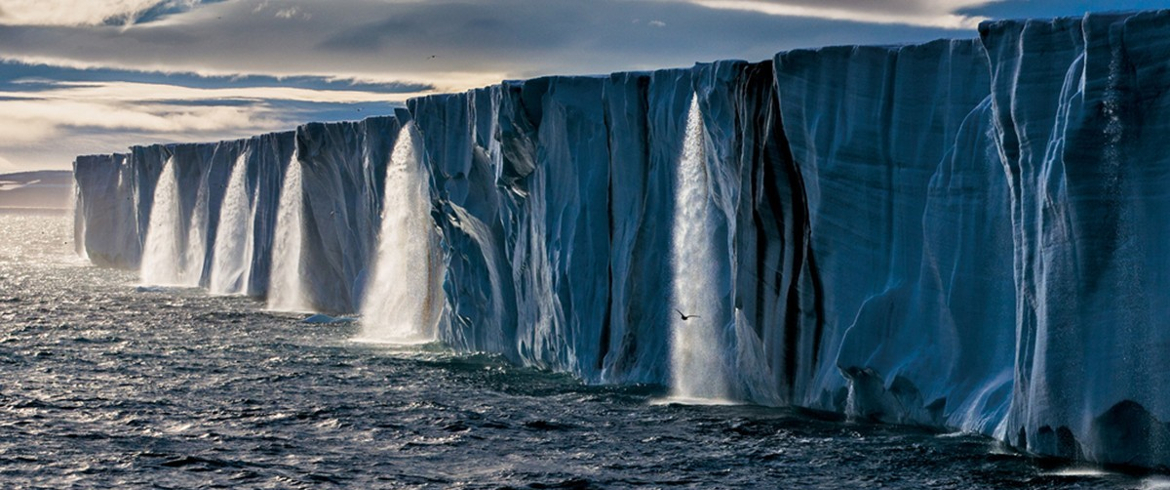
[(685, 317)]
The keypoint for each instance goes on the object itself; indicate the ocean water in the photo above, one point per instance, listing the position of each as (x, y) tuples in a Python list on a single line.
[(107, 385)]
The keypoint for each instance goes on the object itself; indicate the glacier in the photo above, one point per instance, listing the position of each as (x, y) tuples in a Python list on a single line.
[(961, 234)]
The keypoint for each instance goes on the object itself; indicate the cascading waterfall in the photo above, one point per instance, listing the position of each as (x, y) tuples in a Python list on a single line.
[(196, 251), (77, 207), (398, 305), (232, 263), (286, 291), (698, 371), (163, 256)]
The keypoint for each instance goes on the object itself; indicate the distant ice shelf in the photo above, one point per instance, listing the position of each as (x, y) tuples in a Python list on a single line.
[(971, 234)]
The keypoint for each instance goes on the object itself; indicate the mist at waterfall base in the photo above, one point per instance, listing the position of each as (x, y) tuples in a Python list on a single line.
[(108, 384)]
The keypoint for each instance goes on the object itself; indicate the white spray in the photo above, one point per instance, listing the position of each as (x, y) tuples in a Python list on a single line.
[(232, 264), (286, 291), (398, 302), (163, 255), (196, 251), (698, 371), (77, 205)]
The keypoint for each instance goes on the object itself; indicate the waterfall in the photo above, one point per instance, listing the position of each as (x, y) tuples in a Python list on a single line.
[(196, 251), (286, 288), (163, 254), (398, 305), (232, 263), (77, 206), (697, 367)]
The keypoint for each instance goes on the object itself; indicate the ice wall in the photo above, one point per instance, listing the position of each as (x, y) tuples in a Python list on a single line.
[(117, 193), (910, 245), (343, 171), (1081, 105), (960, 234), (557, 199), (107, 210)]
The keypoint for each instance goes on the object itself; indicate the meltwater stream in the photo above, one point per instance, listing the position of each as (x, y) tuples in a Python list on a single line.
[(110, 385)]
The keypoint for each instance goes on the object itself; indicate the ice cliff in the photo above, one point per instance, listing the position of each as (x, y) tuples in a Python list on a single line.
[(1080, 108), (964, 234)]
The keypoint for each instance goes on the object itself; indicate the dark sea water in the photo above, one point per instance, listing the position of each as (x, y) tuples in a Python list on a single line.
[(106, 385)]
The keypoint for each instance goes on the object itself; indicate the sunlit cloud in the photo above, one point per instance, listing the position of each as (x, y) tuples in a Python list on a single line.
[(130, 91), (200, 70), (58, 112), (438, 81), (941, 14), (31, 120), (7, 166)]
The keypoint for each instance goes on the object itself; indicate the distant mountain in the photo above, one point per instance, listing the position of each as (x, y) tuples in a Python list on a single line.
[(47, 189)]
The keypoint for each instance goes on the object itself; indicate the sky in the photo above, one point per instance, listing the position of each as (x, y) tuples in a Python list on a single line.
[(96, 76)]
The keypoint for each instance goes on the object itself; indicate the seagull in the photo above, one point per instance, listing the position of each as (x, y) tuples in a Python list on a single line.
[(685, 317)]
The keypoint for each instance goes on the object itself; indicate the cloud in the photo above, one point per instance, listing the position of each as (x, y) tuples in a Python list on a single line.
[(130, 91), (451, 44), (160, 109), (86, 12), (178, 70), (185, 70), (62, 118), (944, 14), (293, 12), (1015, 9), (7, 166)]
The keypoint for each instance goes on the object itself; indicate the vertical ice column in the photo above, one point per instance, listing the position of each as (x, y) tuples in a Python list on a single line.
[(698, 370), (163, 254), (286, 291), (232, 263), (399, 303)]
